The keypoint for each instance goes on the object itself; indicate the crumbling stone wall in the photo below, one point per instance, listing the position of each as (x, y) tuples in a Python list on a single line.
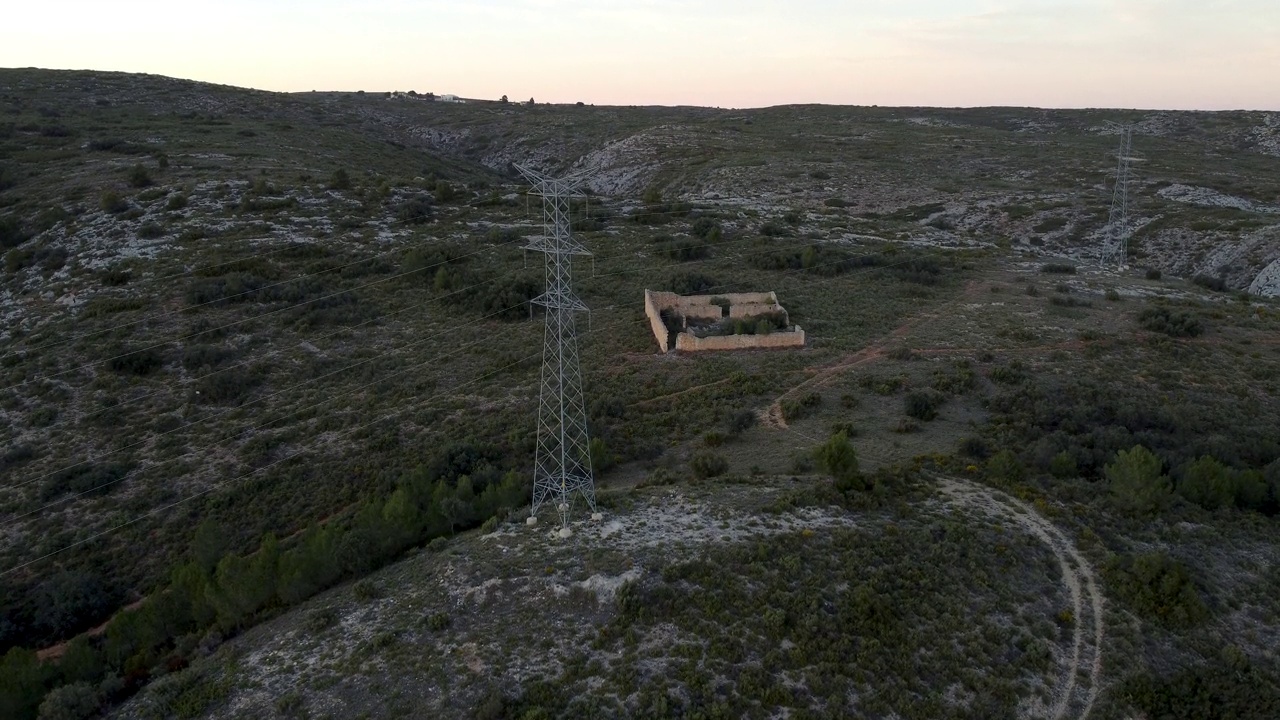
[(692, 343), (700, 307), (654, 313)]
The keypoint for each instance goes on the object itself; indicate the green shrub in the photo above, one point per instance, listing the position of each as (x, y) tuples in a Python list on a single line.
[(117, 145), (1063, 466), (1216, 284), (203, 358), (1153, 274), (741, 421), (415, 210), (76, 701), (139, 177), (923, 405), (151, 231), (366, 590), (837, 458), (707, 228), (113, 203), (708, 465), (229, 387), (773, 229), (1069, 302), (975, 447), (1173, 324), (1229, 687), (798, 408), (1011, 374), (50, 217), (176, 201), (321, 619), (340, 180), (1137, 482), (1051, 224), (12, 234), (445, 191), (601, 458), (1157, 588), (1208, 483), (691, 284), (846, 428), (1005, 466), (138, 362), (18, 258), (1059, 268), (98, 307), (682, 249)]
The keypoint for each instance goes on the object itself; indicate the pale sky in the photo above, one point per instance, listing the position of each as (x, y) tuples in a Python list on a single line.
[(1174, 54)]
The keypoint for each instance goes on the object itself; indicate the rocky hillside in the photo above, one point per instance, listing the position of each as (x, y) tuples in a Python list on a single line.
[(268, 366)]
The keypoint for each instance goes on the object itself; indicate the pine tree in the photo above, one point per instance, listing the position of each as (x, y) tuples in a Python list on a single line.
[(1137, 484), (838, 459)]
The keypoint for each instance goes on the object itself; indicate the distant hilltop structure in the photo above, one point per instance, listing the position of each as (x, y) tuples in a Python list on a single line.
[(429, 97), (732, 321)]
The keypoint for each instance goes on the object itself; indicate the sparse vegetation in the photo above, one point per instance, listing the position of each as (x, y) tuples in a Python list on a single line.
[(258, 347), (1174, 323)]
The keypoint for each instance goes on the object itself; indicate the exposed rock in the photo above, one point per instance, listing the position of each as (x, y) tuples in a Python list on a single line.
[(1209, 197), (1267, 284)]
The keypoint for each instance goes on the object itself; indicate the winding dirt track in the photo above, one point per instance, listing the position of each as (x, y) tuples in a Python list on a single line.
[(772, 417), (1081, 680)]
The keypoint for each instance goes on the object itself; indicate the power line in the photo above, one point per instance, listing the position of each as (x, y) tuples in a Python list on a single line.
[(641, 210), (291, 456), (285, 282), (259, 358), (240, 407), (261, 399), (388, 416), (250, 319), (290, 246)]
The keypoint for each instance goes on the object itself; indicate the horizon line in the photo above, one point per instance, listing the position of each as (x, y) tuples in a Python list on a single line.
[(469, 99)]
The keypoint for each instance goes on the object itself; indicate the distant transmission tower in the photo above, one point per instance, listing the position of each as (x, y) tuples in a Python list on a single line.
[(562, 468), (1116, 250)]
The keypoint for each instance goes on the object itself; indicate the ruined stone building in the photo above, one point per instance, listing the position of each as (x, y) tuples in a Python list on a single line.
[(731, 321)]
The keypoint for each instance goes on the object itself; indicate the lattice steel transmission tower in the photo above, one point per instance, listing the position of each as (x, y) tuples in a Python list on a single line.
[(1117, 236), (562, 468)]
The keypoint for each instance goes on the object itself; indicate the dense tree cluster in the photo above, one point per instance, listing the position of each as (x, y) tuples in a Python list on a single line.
[(224, 591)]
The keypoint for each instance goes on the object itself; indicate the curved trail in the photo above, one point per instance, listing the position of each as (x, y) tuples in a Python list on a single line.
[(1071, 698), (772, 416)]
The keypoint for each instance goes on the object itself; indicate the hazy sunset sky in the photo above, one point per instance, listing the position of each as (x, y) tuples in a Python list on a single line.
[(1183, 54)]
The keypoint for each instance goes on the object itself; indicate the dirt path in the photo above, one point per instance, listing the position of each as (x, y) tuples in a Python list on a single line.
[(772, 416), (1076, 692), (686, 391), (54, 652)]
